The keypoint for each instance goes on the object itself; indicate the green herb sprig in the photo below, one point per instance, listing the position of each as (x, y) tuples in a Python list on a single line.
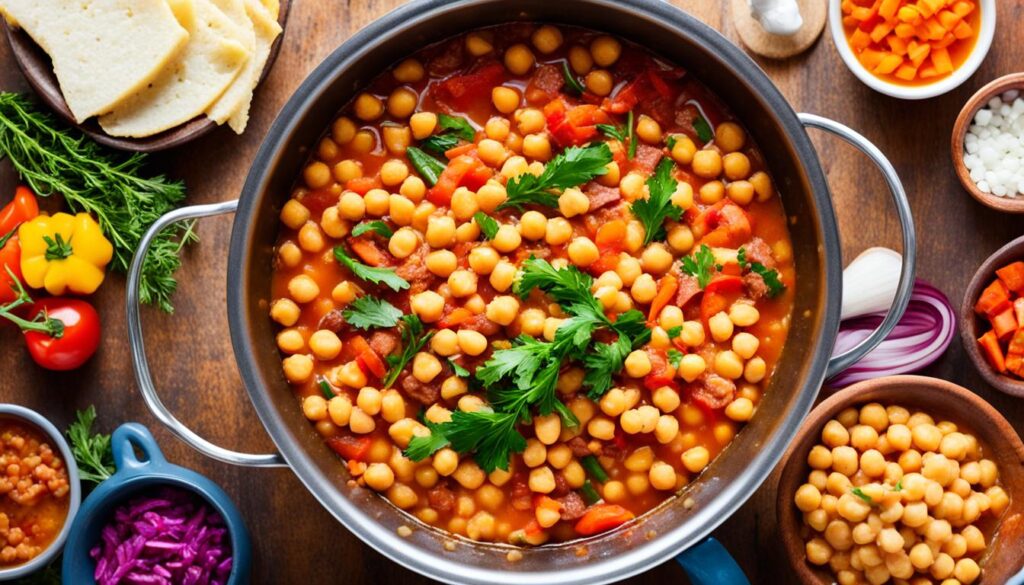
[(658, 206), (385, 276), (700, 265), (92, 451), (428, 167), (377, 227), (488, 225), (368, 312), (413, 340), (451, 130), (113, 187), (574, 166)]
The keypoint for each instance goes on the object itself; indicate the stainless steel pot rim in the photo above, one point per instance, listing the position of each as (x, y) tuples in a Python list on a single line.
[(374, 534)]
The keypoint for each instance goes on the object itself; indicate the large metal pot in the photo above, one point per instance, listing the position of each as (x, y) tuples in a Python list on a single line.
[(730, 479)]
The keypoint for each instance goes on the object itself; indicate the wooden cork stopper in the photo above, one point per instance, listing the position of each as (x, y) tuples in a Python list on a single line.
[(814, 13)]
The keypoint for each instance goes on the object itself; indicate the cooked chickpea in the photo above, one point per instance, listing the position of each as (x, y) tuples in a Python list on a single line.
[(503, 309), (533, 225), (638, 364), (740, 410), (519, 59), (393, 172), (368, 107), (662, 476), (402, 102), (633, 186), (351, 206), (599, 82), (656, 259), (284, 312), (537, 146), (490, 196), (441, 262), (644, 288), (573, 202), (325, 345), (471, 342), (684, 149), (695, 459), (408, 71), (728, 365), (363, 142), (605, 50), (580, 60), (303, 289), (743, 314), (547, 39), (583, 251), (707, 164), (755, 370), (469, 475), (347, 170), (343, 130), (294, 214), (507, 239), (736, 166), (462, 283), (505, 99), (721, 326), (547, 428), (729, 137), (740, 192), (745, 345), (379, 476), (297, 368), (648, 130), (762, 185), (502, 276), (403, 243), (711, 192), (427, 305)]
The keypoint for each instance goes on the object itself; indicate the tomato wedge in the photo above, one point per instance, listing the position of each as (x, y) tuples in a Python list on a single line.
[(349, 447), (601, 518), (367, 359)]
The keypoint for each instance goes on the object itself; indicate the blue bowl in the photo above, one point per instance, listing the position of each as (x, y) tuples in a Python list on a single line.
[(134, 477)]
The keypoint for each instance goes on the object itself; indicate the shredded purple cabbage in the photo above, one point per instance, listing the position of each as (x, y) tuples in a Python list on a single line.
[(171, 538)]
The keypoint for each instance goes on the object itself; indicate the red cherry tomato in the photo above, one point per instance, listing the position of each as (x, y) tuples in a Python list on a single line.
[(76, 345), (10, 259)]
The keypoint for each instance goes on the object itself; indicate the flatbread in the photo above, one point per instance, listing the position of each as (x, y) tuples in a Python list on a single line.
[(214, 56), (103, 51), (267, 30), (240, 90)]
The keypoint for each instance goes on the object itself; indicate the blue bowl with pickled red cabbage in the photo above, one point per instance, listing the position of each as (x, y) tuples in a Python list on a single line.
[(156, 523)]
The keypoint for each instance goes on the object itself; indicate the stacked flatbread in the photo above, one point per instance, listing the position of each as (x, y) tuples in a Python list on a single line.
[(146, 66)]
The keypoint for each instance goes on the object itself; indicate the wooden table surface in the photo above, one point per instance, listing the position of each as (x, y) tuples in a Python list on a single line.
[(294, 539)]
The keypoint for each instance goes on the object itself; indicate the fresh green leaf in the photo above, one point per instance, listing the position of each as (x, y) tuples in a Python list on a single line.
[(860, 494), (574, 166), (700, 265), (378, 227), (571, 83), (603, 361), (675, 357), (631, 136), (488, 225), (114, 187), (427, 166), (458, 370), (385, 276), (413, 340), (703, 129), (367, 312), (658, 206), (92, 452), (458, 126), (613, 132), (899, 486), (422, 447), (674, 332), (770, 277), (440, 143), (569, 286), (741, 257), (326, 390)]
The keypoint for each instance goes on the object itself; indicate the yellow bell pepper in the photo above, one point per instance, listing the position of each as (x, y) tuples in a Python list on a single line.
[(64, 253)]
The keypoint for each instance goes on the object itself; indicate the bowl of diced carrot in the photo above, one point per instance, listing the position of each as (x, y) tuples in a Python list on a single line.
[(913, 49), (992, 319)]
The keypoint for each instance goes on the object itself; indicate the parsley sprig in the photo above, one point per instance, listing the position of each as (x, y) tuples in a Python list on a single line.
[(658, 206), (413, 340), (769, 275), (92, 451), (574, 166), (700, 265), (451, 130), (367, 312), (488, 225), (625, 135), (378, 227), (385, 276)]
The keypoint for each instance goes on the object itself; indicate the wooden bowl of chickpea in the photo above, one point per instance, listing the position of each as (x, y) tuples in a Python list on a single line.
[(907, 479)]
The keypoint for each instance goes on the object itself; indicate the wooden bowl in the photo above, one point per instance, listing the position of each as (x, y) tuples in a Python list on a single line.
[(972, 326), (943, 400), (35, 65), (963, 122)]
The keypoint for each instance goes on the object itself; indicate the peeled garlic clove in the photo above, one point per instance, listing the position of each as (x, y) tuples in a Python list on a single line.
[(778, 17), (870, 282)]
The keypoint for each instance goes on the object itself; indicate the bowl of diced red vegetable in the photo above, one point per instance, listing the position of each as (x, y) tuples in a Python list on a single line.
[(154, 522), (992, 319)]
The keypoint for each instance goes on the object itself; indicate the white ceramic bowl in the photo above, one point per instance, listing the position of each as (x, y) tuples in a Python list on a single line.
[(915, 92)]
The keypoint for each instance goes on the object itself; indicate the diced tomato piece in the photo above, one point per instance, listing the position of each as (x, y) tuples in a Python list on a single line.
[(573, 126), (476, 178), (993, 300), (441, 193), (362, 184), (367, 359), (457, 316), (1004, 324), (724, 224), (720, 294), (601, 518), (628, 97), (369, 252), (667, 287), (349, 447), (662, 374), (1012, 276), (460, 92), (992, 352)]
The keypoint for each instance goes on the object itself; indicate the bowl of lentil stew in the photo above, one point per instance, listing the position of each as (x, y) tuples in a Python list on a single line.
[(666, 528), (39, 492), (881, 447)]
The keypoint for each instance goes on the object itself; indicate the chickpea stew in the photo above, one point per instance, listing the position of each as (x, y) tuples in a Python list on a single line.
[(531, 282), (34, 493), (895, 495)]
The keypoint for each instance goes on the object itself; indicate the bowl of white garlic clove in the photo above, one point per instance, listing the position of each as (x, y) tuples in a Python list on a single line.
[(988, 144)]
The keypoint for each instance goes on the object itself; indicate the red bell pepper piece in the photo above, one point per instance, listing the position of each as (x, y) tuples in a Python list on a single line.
[(460, 92), (993, 300), (1012, 276), (20, 209), (720, 293), (724, 225), (454, 175), (349, 447), (992, 352), (601, 518), (368, 252), (662, 374), (367, 359), (667, 287), (10, 259)]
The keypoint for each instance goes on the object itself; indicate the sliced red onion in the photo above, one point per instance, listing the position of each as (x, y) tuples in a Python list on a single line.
[(920, 337)]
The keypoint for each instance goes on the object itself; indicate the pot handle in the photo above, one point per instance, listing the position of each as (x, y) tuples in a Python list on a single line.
[(899, 196), (708, 563), (138, 349)]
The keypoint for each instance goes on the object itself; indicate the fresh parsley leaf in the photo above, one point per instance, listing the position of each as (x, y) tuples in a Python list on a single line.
[(378, 227), (703, 129), (458, 126), (427, 166), (92, 452), (860, 494), (602, 362), (492, 436), (674, 332), (675, 357), (574, 166), (385, 276), (457, 369), (741, 257), (422, 447), (571, 83), (413, 341), (568, 286), (770, 277), (658, 206), (440, 143), (700, 265), (367, 312), (326, 390), (612, 131), (631, 136), (488, 225)]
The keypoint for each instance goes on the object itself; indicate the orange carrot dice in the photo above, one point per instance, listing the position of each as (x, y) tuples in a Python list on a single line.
[(949, 19), (888, 64), (1018, 311), (946, 41), (927, 71), (943, 64), (1012, 276), (904, 30), (862, 13), (888, 8), (849, 21), (1016, 346), (860, 40), (963, 31), (906, 72), (918, 53), (870, 58), (934, 5), (993, 300), (992, 352), (963, 8), (924, 8), (935, 30), (1004, 324), (847, 6), (1014, 363), (898, 45), (909, 14), (881, 30)]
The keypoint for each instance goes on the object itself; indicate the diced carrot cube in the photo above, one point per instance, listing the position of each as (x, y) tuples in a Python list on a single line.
[(924, 8), (1016, 346), (927, 71), (847, 6), (943, 64), (1018, 311), (888, 8), (963, 8), (963, 31), (1014, 363), (862, 13), (870, 58), (1004, 324), (888, 64), (946, 41), (898, 45), (919, 53), (993, 300), (906, 72), (949, 19), (992, 352), (921, 32), (881, 30), (1012, 276), (849, 21), (935, 30), (904, 30), (909, 14), (934, 5), (860, 40)]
